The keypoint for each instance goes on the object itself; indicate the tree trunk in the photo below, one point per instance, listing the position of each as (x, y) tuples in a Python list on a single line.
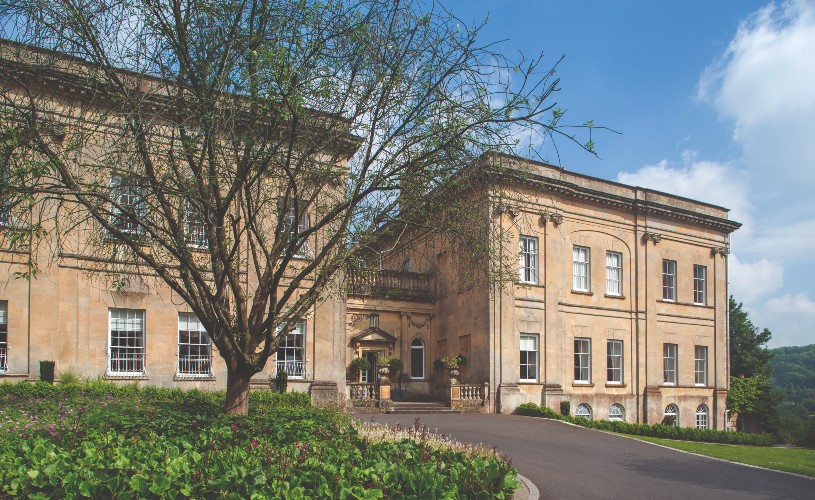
[(237, 392)]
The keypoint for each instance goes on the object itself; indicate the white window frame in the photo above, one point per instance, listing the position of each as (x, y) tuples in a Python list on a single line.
[(614, 273), (581, 269), (702, 417), (672, 411), (700, 365), (528, 357), (3, 337), (195, 227), (699, 285), (136, 202), (289, 215), (127, 360), (582, 360), (614, 360), (669, 280), (616, 413), (197, 341), (293, 351), (670, 375), (414, 348), (583, 410), (528, 260)]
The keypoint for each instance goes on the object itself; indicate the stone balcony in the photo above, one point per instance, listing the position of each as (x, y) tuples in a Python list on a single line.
[(390, 284)]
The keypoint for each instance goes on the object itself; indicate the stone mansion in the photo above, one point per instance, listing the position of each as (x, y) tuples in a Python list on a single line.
[(619, 306)]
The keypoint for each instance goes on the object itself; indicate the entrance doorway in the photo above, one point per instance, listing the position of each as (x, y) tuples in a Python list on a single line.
[(369, 375)]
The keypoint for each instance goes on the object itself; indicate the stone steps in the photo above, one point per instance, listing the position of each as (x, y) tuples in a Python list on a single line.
[(409, 408)]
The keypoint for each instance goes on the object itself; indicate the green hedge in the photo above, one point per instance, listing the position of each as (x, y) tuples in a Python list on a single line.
[(656, 430), (101, 441)]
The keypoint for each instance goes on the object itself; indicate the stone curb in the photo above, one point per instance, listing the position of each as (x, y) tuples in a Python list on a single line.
[(531, 492)]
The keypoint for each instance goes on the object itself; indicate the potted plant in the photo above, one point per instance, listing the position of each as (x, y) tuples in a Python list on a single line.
[(395, 365), (462, 359), (359, 365), (452, 367)]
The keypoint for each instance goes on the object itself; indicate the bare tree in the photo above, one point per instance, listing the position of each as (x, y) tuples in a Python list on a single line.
[(211, 145)]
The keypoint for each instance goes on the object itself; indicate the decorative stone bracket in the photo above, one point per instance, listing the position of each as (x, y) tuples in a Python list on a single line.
[(723, 251), (554, 218), (654, 237)]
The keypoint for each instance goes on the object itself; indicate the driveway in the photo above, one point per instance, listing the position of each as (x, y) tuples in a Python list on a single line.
[(566, 461)]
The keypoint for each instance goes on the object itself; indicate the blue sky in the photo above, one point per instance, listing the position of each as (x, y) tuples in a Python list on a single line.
[(713, 100)]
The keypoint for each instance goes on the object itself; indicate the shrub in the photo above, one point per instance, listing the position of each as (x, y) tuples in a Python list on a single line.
[(565, 408), (69, 377), (281, 381), (360, 364), (47, 371), (396, 365), (656, 430)]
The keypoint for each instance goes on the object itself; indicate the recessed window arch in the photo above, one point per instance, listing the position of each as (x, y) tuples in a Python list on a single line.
[(702, 420), (583, 410), (616, 413), (417, 358), (671, 416)]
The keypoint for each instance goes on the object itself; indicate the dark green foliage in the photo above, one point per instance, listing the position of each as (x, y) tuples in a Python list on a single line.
[(103, 441), (794, 373), (749, 355), (565, 408), (794, 423), (657, 430), (360, 364), (47, 371), (281, 381), (396, 365)]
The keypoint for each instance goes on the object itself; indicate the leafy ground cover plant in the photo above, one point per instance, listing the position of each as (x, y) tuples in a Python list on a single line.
[(656, 430), (100, 440)]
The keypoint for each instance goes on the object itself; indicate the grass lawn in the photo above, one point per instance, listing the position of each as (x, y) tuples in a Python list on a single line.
[(798, 460)]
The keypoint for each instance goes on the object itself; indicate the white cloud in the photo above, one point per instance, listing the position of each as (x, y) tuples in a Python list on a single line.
[(764, 84), (750, 281), (789, 317)]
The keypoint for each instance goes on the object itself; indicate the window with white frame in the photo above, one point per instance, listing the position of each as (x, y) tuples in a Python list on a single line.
[(669, 280), (616, 413), (671, 415), (700, 365), (126, 342), (583, 411), (614, 358), (417, 359), (582, 361), (295, 222), (128, 204), (529, 357), (3, 337), (614, 273), (699, 285), (702, 417), (291, 355), (195, 227), (194, 347), (669, 363), (528, 260), (581, 269)]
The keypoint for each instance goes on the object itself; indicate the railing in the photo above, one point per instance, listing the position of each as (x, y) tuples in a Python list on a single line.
[(126, 362), (293, 368), (195, 366), (472, 391), (390, 284), (363, 392)]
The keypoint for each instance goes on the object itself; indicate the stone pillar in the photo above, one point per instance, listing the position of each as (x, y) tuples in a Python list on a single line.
[(551, 396), (509, 397), (652, 408), (324, 393), (385, 402)]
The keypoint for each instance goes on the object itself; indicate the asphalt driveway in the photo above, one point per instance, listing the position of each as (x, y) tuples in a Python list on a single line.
[(566, 461)]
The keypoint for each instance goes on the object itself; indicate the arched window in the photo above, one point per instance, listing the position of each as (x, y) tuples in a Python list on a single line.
[(583, 410), (417, 359), (701, 417), (671, 415), (616, 413), (374, 317)]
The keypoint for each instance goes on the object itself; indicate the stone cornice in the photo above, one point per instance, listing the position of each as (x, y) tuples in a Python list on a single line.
[(601, 198)]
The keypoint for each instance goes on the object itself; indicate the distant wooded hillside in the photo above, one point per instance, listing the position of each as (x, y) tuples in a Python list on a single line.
[(794, 373)]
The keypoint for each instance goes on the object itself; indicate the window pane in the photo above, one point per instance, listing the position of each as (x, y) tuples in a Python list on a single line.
[(669, 363), (3, 336), (582, 360), (581, 269), (528, 260), (668, 280), (699, 284), (194, 347), (417, 359), (614, 273), (529, 357), (700, 365), (291, 355), (126, 346), (615, 361)]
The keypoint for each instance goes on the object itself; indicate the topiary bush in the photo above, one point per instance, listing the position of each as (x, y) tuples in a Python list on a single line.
[(281, 381), (47, 371), (565, 408)]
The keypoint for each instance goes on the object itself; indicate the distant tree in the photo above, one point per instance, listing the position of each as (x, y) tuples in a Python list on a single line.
[(749, 355), (794, 373), (751, 395)]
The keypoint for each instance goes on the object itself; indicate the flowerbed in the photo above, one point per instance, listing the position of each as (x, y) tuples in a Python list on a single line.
[(656, 430), (99, 440)]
